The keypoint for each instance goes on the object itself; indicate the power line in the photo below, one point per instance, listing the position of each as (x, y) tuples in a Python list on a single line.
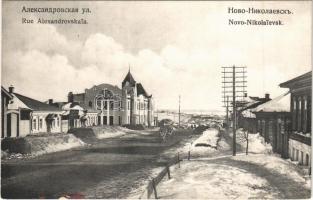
[(233, 87)]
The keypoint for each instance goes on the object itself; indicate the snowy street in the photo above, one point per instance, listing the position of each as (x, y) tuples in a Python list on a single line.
[(243, 177), (109, 168), (120, 167), (221, 176)]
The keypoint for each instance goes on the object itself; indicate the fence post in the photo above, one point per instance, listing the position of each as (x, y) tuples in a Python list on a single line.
[(168, 172), (154, 189), (188, 155), (178, 160)]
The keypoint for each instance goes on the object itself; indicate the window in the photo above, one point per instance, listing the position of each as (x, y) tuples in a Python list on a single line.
[(90, 103), (25, 115), (40, 123), (299, 111), (58, 122), (294, 114), (128, 105), (297, 155), (307, 159), (34, 124)]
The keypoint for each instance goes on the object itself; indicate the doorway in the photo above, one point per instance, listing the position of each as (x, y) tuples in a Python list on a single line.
[(9, 125), (105, 120), (111, 120)]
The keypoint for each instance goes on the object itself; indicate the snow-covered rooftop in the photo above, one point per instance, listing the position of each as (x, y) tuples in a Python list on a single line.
[(248, 114), (278, 104)]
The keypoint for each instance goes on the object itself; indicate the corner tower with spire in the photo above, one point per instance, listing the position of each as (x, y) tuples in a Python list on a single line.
[(137, 104)]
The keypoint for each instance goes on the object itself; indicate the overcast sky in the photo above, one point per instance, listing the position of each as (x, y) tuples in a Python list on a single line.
[(172, 47)]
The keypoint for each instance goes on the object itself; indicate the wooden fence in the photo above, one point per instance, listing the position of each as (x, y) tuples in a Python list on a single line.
[(152, 185)]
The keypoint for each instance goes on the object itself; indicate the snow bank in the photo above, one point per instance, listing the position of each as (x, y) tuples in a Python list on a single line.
[(203, 145), (208, 138), (200, 180), (108, 132), (257, 143), (224, 178), (116, 131), (4, 154), (53, 143), (277, 165)]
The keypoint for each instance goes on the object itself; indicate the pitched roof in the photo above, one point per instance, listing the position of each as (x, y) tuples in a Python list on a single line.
[(114, 88), (248, 114), (5, 92), (278, 104), (302, 77), (252, 102), (35, 104), (129, 78), (141, 90)]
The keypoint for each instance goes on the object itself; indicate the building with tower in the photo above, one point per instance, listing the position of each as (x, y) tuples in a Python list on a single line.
[(130, 104)]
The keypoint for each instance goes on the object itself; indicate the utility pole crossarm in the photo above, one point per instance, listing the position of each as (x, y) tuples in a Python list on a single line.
[(233, 90)]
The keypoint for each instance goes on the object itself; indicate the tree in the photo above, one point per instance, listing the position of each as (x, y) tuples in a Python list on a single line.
[(245, 138)]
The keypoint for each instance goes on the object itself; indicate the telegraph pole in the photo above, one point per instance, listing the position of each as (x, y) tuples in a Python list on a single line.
[(179, 111), (234, 111), (227, 111), (234, 79)]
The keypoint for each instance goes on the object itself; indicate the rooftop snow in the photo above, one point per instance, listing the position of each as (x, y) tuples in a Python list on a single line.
[(278, 104)]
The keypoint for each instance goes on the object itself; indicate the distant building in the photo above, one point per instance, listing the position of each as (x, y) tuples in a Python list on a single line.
[(300, 137), (247, 119), (115, 106)]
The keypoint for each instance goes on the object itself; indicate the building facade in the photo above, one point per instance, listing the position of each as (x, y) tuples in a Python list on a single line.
[(29, 116), (5, 100), (300, 106), (273, 122), (114, 106), (247, 119)]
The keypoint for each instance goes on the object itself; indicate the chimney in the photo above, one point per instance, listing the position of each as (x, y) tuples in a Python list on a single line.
[(50, 101), (267, 96), (11, 89), (70, 97)]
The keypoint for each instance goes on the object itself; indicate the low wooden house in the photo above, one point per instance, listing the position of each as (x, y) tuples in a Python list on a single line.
[(273, 119), (247, 119), (30, 116)]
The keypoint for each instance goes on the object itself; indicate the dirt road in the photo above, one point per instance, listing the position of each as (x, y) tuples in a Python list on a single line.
[(109, 168)]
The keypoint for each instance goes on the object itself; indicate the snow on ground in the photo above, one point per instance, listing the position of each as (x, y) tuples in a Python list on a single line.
[(203, 145), (44, 145), (208, 138), (117, 131), (108, 132), (253, 176), (140, 193), (276, 164), (256, 142), (199, 180)]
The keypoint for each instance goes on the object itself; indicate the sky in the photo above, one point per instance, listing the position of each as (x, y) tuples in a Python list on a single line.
[(172, 48)]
